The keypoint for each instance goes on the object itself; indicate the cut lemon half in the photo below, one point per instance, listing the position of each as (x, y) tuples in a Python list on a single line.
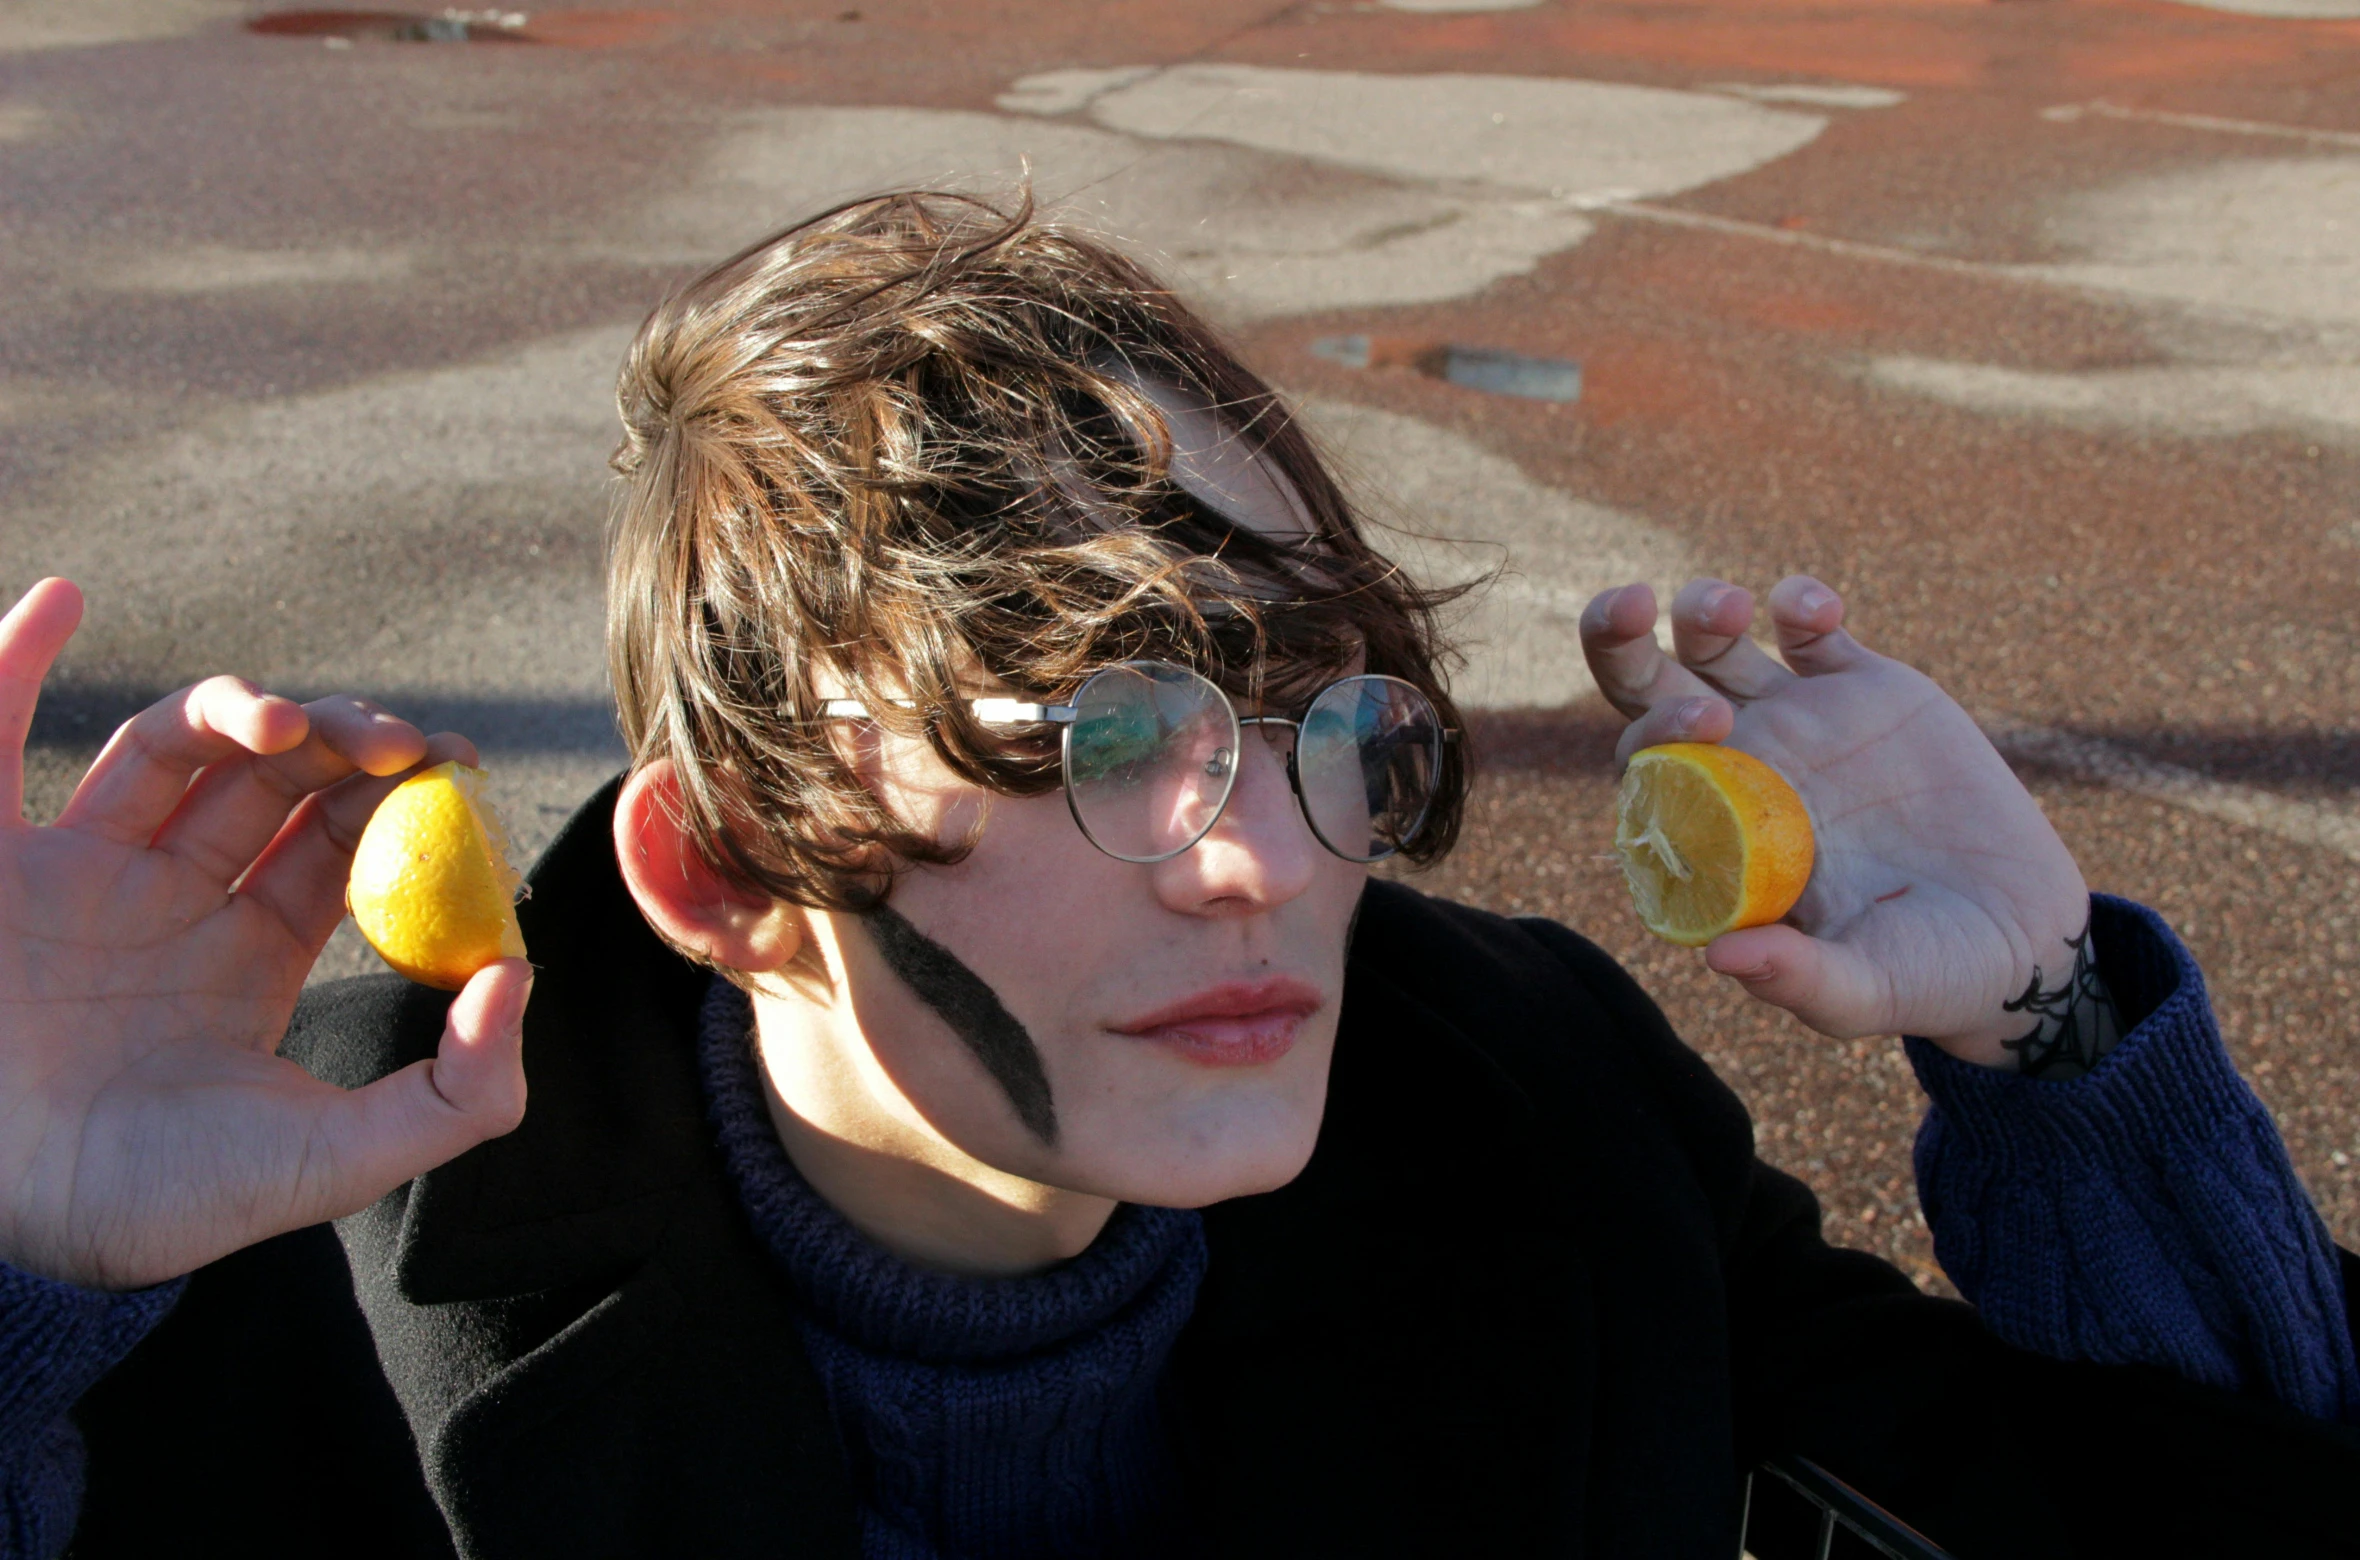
[(1711, 840), (431, 887)]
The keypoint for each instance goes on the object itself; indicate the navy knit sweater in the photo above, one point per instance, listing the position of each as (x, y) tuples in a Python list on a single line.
[(982, 1418), (2144, 1212)]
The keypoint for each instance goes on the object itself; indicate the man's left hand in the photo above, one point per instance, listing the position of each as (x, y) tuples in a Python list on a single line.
[(1939, 889)]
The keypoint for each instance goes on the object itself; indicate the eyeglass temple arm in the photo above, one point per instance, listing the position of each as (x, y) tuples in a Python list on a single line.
[(1016, 712), (991, 712)]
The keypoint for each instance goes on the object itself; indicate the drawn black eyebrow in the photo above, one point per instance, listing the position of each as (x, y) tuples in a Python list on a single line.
[(966, 1002)]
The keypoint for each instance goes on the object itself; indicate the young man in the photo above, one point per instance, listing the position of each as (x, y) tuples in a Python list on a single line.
[(984, 1105)]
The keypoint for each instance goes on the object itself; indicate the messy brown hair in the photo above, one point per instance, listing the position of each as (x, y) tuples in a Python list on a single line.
[(898, 453)]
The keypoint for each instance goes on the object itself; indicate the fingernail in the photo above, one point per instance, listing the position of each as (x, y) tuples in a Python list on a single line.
[(1690, 714), (1813, 599), (511, 1015)]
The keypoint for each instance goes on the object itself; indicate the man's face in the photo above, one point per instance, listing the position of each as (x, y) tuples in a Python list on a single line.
[(1154, 1033), (1183, 1013)]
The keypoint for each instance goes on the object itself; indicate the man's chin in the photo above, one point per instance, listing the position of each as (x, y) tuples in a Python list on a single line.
[(1199, 1176)]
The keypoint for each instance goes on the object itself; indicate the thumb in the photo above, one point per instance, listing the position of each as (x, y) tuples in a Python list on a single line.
[(430, 1112), (479, 1068), (1825, 984)]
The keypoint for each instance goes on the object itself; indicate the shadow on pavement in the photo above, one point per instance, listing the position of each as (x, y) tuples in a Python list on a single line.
[(78, 716)]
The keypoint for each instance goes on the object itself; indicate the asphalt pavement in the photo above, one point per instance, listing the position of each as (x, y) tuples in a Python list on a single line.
[(2034, 327)]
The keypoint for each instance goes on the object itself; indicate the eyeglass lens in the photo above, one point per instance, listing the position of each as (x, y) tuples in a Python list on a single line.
[(1366, 761), (1151, 757)]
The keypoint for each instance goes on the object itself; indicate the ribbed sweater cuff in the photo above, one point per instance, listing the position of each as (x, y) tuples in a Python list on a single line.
[(56, 1341), (2144, 1212), (2166, 1087)]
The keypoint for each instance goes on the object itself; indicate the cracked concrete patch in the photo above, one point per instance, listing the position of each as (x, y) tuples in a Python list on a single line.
[(204, 268), (2252, 272), (1449, 510), (1247, 234), (1261, 192), (1530, 134), (1068, 91), (2257, 237)]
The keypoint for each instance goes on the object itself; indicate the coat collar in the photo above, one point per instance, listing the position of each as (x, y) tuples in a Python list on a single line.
[(614, 1129)]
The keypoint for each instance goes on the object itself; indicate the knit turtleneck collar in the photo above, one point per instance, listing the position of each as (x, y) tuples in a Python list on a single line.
[(982, 1417)]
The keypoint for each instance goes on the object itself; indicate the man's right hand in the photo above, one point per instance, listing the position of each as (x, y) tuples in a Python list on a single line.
[(153, 942)]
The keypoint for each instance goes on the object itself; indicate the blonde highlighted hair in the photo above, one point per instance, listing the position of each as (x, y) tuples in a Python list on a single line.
[(900, 451)]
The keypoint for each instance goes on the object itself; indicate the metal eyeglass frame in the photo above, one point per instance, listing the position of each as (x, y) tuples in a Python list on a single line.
[(1020, 712)]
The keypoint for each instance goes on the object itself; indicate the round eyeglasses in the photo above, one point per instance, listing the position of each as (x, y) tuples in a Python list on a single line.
[(1150, 755)]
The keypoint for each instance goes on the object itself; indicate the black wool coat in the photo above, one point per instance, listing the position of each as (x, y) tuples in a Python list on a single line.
[(1534, 1295)]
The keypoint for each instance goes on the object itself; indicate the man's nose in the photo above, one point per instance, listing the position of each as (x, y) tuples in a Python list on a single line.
[(1260, 854)]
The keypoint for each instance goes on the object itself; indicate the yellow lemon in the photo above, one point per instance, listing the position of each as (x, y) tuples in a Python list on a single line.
[(431, 887), (1711, 840)]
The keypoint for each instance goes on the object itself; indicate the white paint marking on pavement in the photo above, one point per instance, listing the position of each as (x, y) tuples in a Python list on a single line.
[(2304, 823), (204, 268), (2290, 10), (2224, 302), (1448, 510), (2067, 112), (1797, 238), (1826, 95), (2187, 400)]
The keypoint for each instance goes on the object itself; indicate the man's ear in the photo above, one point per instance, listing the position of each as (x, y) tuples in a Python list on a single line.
[(687, 902)]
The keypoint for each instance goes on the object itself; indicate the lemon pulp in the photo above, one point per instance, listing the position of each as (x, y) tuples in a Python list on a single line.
[(1711, 840)]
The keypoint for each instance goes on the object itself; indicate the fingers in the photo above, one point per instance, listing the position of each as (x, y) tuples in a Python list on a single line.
[(1828, 986), (300, 876), (31, 636), (1702, 719), (1808, 619), (407, 1123), (144, 772), (1618, 640), (1709, 623), (233, 809)]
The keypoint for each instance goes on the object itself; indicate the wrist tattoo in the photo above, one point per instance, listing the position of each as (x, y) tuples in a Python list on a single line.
[(2076, 1020)]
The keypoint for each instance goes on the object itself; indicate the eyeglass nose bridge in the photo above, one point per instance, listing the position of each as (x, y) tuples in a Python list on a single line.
[(1294, 777), (1295, 729)]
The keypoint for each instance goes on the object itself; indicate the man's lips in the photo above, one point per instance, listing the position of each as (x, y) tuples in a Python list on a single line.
[(1237, 1024)]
